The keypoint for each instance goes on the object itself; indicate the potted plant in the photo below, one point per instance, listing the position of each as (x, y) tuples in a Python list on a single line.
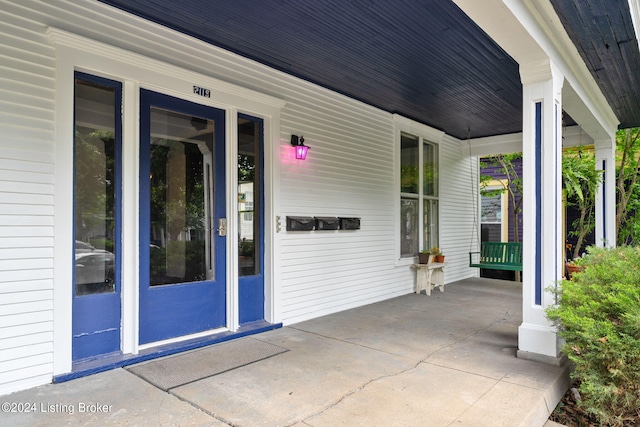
[(573, 268), (572, 265), (437, 255), (424, 256)]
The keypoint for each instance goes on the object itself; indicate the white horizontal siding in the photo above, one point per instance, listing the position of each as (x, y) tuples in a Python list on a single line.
[(27, 90), (24, 149), (34, 273), (26, 318), (348, 172), (24, 330), (12, 231), (25, 242), (36, 374)]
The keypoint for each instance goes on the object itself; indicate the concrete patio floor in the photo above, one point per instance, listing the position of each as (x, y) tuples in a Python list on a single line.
[(442, 360)]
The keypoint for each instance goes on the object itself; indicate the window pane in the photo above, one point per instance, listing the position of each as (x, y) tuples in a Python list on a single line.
[(430, 167), (491, 233), (94, 188), (181, 157), (491, 209), (409, 227), (430, 224), (409, 163), (249, 136)]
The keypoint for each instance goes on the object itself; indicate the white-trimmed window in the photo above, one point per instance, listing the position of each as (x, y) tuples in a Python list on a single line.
[(419, 213), (493, 213)]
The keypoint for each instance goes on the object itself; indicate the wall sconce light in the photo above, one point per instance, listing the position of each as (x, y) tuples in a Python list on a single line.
[(301, 149)]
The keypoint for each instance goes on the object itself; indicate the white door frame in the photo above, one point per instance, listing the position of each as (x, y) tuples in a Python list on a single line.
[(76, 53)]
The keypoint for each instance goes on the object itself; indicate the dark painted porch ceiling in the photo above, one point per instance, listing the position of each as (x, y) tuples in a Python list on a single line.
[(424, 59)]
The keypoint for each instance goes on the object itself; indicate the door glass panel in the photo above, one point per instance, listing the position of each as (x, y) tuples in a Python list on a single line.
[(248, 196), (181, 179), (94, 188)]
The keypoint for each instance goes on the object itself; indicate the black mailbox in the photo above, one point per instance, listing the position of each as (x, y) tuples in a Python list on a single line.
[(349, 223), (300, 223), (327, 223)]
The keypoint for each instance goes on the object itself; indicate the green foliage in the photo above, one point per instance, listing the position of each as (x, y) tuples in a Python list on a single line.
[(179, 262), (598, 316), (246, 248), (102, 243), (94, 152), (506, 164), (182, 207), (246, 168), (409, 179), (581, 180), (628, 186), (629, 232)]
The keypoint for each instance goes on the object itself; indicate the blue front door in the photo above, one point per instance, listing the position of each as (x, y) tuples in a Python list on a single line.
[(182, 223)]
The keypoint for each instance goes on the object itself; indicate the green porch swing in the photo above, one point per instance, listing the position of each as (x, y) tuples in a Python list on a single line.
[(497, 256)]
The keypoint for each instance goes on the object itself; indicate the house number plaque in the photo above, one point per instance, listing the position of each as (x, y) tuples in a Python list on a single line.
[(202, 91)]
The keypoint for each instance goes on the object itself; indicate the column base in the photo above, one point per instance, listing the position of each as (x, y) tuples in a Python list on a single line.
[(539, 343), (542, 358)]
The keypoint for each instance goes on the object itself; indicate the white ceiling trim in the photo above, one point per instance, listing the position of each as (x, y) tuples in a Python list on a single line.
[(492, 145), (228, 93), (419, 129), (634, 7)]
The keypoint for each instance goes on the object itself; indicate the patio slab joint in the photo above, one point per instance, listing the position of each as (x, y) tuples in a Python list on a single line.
[(356, 390)]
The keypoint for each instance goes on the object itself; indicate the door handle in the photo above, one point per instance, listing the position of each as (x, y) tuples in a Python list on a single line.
[(222, 227)]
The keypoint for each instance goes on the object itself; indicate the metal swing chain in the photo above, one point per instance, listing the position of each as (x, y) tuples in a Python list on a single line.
[(474, 195)]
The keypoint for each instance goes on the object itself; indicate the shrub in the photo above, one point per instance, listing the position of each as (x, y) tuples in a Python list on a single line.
[(598, 316)]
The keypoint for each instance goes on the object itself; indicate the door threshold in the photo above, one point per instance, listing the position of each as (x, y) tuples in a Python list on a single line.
[(178, 340), (83, 368)]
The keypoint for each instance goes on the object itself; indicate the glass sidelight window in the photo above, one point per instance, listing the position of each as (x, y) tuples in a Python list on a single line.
[(181, 180), (249, 197), (409, 194), (95, 188)]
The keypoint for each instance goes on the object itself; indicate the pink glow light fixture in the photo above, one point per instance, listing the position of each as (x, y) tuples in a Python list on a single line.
[(301, 149)]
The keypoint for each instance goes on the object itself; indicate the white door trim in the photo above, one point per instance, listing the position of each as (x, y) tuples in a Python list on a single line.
[(77, 53)]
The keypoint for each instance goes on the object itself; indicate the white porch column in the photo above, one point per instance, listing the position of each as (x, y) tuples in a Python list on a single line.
[(542, 216), (606, 197)]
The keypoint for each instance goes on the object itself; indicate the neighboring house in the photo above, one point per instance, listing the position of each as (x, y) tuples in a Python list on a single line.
[(496, 215), (151, 200)]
